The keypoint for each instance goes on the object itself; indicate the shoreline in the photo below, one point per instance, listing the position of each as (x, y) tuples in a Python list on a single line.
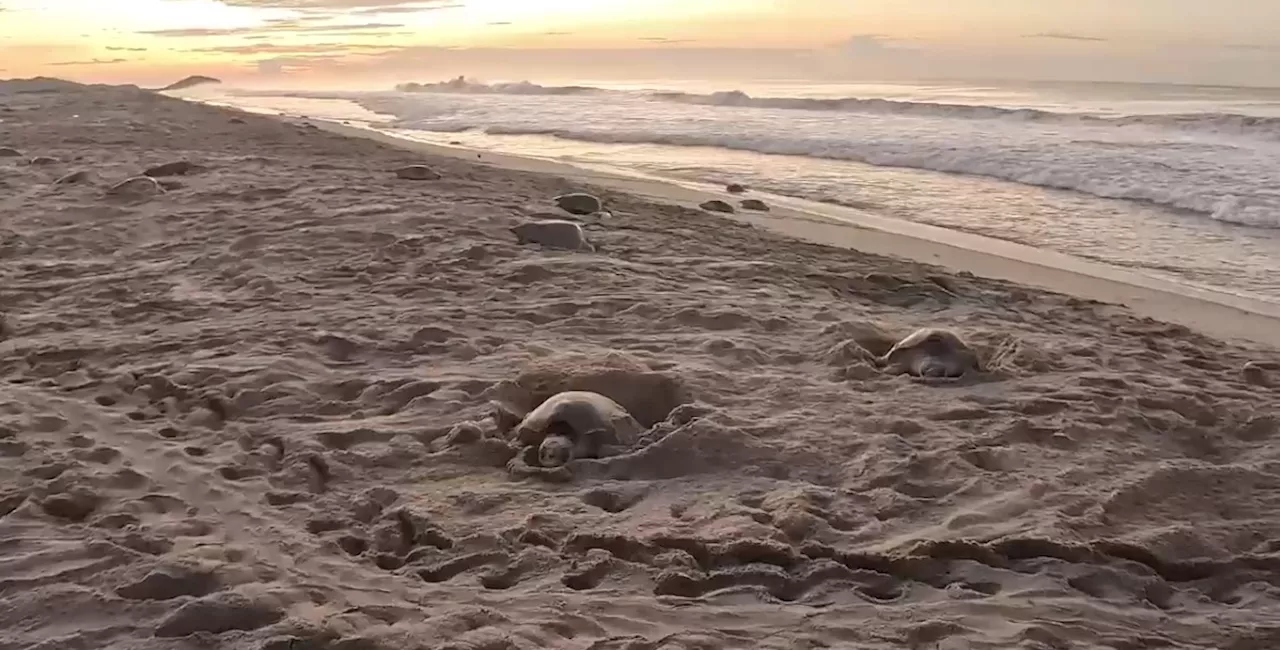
[(1222, 315)]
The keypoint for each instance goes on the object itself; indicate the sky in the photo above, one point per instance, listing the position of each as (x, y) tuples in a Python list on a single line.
[(371, 43)]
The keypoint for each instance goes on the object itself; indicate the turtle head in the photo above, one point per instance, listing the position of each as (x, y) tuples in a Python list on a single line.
[(555, 451)]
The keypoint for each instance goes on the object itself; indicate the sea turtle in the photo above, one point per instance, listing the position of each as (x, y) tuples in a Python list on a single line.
[(930, 352), (579, 203), (553, 233), (716, 205), (417, 173), (577, 424)]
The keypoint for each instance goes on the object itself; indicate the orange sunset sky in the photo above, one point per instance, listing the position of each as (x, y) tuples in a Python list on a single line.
[(353, 42)]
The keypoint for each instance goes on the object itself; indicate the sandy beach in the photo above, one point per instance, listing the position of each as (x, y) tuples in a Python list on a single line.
[(250, 406)]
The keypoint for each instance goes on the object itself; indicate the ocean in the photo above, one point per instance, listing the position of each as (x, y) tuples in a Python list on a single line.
[(1177, 182)]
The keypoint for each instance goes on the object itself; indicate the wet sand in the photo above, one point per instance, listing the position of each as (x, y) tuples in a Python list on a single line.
[(231, 412)]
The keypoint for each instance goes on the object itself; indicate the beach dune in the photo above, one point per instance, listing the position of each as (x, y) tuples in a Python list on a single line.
[(252, 408)]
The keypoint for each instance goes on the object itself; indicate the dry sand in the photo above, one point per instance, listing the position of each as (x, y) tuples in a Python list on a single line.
[(228, 421)]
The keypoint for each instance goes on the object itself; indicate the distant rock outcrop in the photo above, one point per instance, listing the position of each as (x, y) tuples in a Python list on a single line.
[(193, 80)]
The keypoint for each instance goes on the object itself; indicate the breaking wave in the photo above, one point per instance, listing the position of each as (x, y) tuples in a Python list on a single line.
[(463, 85), (1220, 123), (1228, 181), (1267, 128), (1144, 180), (1219, 165)]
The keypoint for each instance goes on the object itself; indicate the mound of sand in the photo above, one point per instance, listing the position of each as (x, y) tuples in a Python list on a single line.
[(231, 412)]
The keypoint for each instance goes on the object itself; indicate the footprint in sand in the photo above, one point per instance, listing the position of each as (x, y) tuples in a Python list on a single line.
[(75, 177)]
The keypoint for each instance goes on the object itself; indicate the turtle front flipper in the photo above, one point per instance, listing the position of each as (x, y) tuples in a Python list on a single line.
[(506, 416), (524, 465)]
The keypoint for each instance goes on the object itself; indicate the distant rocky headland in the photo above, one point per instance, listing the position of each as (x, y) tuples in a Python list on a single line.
[(189, 82)]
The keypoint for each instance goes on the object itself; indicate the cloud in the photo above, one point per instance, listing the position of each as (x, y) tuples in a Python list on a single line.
[(363, 6), (328, 50), (1251, 47), (126, 49), (286, 25), (404, 9), (363, 33), (664, 39), (1065, 36), (305, 24), (195, 31), (90, 62)]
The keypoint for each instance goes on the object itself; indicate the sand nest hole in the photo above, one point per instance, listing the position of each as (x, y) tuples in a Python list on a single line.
[(599, 408), (660, 430), (648, 395)]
